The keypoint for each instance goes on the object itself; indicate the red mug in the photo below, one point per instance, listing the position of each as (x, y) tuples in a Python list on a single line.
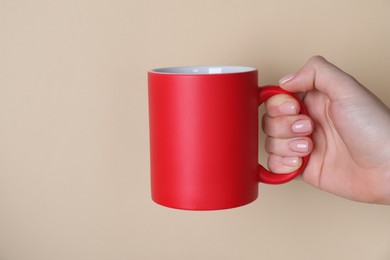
[(204, 136)]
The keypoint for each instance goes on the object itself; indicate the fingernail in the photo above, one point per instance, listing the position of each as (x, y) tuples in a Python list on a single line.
[(300, 146), (286, 78), (302, 126), (288, 108), (290, 161)]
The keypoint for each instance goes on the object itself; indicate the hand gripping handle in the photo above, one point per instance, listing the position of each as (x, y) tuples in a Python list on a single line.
[(266, 176)]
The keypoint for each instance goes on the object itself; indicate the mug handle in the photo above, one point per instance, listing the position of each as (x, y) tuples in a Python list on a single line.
[(266, 176)]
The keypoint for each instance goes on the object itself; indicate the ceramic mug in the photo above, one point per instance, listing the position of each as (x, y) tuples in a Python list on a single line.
[(204, 136)]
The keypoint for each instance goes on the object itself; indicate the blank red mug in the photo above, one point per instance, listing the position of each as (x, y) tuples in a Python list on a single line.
[(204, 136)]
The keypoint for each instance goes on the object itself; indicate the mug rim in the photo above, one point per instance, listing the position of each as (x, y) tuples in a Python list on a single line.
[(203, 70)]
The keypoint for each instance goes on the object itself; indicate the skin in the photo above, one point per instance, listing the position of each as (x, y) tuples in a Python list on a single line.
[(350, 126)]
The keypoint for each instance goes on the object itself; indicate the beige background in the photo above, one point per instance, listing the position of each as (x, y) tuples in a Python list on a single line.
[(74, 151)]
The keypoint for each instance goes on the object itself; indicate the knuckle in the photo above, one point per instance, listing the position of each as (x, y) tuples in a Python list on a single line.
[(317, 59)]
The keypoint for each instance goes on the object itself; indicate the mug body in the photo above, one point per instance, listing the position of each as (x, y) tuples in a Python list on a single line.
[(203, 136)]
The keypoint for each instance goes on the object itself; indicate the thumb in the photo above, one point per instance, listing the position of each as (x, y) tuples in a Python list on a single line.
[(321, 75)]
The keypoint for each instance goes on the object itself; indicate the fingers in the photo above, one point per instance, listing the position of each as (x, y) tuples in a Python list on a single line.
[(297, 147), (287, 126), (278, 164), (287, 132), (282, 105), (276, 123)]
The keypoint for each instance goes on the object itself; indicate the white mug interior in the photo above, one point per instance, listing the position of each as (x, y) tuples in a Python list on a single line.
[(203, 70)]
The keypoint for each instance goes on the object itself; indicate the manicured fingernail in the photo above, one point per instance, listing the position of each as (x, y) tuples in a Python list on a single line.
[(300, 146), (290, 161), (286, 78), (288, 108), (302, 126)]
